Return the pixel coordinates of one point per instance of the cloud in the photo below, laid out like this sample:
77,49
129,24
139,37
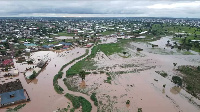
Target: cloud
195,4
131,8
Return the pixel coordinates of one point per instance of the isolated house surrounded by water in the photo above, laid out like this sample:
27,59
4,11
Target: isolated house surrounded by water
12,93
12,97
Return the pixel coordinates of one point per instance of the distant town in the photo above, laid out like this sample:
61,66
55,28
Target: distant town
99,64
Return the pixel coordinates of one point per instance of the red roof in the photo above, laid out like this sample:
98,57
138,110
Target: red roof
65,46
8,62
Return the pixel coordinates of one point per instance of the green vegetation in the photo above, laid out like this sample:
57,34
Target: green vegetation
57,88
187,53
74,100
191,79
191,33
139,109
101,72
108,78
162,73
16,108
69,86
128,102
86,105
78,67
109,49
108,32
177,80
78,101
82,74
72,110
94,98
33,76
65,34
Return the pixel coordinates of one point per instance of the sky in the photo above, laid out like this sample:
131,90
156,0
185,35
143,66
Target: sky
97,8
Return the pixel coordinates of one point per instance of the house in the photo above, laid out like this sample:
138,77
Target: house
12,93
15,72
7,62
41,63
12,97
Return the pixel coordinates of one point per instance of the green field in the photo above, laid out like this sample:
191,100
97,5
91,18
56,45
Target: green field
108,32
88,63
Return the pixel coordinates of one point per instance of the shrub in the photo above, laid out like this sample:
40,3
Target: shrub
128,102
74,100
94,98
33,75
86,105
58,89
139,109
101,72
177,80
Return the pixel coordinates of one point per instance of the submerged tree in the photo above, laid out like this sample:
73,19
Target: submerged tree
128,102
177,80
174,64
124,53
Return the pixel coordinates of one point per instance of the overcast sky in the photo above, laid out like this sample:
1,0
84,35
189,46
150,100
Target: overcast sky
129,8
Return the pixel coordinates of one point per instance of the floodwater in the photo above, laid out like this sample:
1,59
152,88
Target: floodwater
61,83
140,84
41,91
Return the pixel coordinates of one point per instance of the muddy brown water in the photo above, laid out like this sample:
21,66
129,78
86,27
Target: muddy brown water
139,87
42,94
61,83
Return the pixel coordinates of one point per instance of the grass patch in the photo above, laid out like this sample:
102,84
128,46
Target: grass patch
162,73
86,63
15,109
78,101
191,79
94,98
108,32
124,56
57,88
109,49
74,100
76,68
187,53
108,78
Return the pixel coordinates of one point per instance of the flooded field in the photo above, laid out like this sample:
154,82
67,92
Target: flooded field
41,91
133,78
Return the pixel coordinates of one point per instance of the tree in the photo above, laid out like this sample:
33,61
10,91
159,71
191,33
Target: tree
124,53
128,102
177,80
174,64
168,42
82,74
33,75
